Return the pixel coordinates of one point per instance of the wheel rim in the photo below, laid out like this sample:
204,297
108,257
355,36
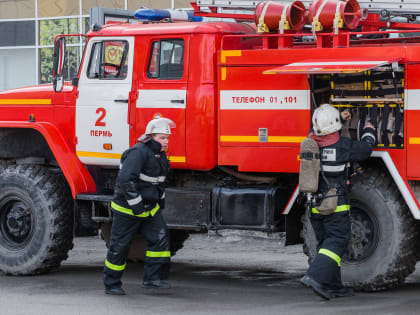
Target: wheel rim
364,234
16,221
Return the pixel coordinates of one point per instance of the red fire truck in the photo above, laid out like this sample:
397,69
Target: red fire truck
241,95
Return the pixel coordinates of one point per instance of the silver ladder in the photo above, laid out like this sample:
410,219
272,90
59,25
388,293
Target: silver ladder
373,6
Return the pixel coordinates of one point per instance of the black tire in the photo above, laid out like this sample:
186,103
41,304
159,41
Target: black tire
382,249
138,246
36,220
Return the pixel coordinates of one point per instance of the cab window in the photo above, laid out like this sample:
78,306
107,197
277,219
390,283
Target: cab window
108,60
166,61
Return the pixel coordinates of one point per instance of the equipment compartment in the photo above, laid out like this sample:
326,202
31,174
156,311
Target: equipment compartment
376,96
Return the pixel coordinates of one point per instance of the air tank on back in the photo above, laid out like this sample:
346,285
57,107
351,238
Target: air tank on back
273,16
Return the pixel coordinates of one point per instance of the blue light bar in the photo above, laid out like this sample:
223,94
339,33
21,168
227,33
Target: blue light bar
152,15
173,15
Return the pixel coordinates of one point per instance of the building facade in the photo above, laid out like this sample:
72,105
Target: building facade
28,28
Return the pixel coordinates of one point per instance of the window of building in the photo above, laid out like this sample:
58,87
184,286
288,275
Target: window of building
71,63
155,4
51,8
182,4
17,67
48,29
17,9
108,60
167,60
17,33
28,28
116,4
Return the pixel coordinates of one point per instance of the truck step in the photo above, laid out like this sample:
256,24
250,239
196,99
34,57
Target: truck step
94,197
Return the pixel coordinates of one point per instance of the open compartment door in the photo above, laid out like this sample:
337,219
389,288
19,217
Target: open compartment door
320,66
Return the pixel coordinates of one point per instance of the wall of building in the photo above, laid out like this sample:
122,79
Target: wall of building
28,27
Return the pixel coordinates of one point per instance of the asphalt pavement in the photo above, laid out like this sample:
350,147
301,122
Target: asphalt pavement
232,273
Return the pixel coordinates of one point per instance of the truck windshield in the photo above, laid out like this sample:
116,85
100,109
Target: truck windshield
108,60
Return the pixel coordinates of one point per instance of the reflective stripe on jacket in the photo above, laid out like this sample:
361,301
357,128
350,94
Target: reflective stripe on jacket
335,159
139,187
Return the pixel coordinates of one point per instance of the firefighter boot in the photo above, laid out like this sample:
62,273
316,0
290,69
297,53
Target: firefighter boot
156,284
317,287
115,291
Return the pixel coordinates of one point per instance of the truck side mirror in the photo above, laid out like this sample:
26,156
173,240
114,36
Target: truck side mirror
59,52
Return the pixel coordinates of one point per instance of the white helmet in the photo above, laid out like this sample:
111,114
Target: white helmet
326,120
160,125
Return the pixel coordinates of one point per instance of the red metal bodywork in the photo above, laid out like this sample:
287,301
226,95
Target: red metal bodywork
54,120
207,135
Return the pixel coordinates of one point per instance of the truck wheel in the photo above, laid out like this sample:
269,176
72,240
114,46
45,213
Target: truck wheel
36,221
382,249
137,251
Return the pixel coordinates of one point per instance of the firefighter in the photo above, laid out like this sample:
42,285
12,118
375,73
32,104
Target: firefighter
138,198
330,216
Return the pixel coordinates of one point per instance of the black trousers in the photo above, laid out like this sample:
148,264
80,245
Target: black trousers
333,233
155,232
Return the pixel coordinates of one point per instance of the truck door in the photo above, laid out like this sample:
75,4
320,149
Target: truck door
105,81
163,91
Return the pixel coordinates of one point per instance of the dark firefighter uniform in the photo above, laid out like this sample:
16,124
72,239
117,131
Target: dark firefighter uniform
139,195
333,231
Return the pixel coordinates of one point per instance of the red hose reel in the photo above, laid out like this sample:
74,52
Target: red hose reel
335,14
273,16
